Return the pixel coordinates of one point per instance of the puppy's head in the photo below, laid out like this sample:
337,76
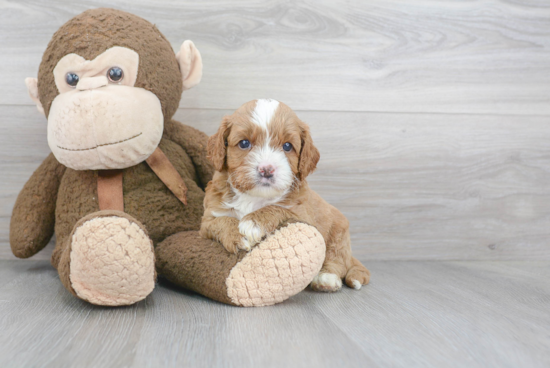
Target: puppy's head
264,147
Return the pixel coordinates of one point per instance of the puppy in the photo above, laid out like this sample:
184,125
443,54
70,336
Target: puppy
262,155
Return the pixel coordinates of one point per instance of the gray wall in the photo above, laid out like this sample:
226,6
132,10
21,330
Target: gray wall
432,118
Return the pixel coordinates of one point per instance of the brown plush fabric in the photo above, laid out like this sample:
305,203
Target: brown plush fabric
163,168
193,142
64,266
33,217
96,30
146,198
192,262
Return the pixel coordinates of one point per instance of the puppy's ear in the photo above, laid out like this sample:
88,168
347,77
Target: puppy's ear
309,154
216,148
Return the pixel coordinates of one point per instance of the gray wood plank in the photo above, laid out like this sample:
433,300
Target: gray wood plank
413,314
449,314
401,56
414,186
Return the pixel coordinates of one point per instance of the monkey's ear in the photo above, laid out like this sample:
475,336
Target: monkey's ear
32,87
190,62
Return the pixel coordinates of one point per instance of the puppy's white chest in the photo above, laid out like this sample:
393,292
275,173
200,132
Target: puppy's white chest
243,204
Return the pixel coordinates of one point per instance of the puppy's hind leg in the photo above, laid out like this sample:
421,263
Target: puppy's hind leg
337,262
357,275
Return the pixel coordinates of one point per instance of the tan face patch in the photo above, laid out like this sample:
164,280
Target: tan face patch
119,57
100,124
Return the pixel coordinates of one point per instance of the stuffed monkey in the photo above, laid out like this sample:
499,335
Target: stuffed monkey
125,181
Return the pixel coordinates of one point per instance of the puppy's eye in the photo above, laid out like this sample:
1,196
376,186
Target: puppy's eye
71,79
115,74
287,147
244,144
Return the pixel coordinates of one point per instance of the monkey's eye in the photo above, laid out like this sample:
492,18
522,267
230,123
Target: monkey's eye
115,74
71,79
244,144
287,147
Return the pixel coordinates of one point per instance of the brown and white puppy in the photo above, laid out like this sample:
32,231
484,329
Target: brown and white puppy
262,155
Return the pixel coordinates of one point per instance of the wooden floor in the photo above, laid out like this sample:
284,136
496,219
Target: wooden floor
433,122
414,314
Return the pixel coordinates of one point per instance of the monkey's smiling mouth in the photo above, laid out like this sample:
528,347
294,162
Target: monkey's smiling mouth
100,145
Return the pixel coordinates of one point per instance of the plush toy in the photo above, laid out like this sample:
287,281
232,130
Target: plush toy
125,181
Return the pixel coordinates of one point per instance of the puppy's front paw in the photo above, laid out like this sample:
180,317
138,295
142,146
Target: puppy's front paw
251,232
232,246
245,245
327,282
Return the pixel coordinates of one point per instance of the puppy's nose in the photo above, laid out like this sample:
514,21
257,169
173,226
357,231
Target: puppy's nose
266,171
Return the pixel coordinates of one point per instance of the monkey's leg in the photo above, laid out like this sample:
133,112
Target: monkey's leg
279,267
108,260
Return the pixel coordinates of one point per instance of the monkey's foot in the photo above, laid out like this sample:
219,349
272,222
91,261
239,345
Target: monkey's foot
112,260
277,268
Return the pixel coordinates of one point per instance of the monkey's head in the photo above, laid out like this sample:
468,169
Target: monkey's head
107,83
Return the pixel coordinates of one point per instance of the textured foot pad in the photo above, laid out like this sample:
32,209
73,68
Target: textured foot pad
112,262
278,268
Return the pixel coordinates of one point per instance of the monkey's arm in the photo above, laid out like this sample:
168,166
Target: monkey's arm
33,216
193,142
